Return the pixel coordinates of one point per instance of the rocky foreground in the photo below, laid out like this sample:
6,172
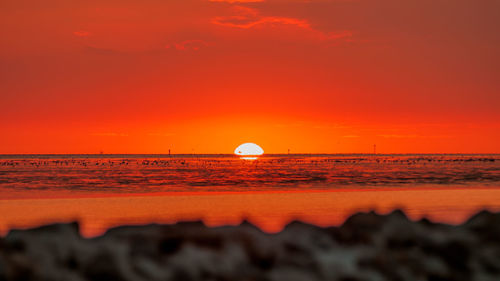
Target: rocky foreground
366,247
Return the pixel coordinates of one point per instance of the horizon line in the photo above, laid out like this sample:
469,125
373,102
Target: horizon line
265,154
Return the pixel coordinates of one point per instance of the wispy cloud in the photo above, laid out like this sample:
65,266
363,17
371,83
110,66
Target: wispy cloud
248,22
194,45
331,126
237,1
246,18
109,134
101,51
411,136
161,134
289,125
82,33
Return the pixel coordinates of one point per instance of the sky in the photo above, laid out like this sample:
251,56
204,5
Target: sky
200,76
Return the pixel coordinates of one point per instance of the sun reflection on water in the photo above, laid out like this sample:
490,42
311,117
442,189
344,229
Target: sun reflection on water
249,158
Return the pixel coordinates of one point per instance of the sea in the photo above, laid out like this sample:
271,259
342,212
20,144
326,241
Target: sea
149,173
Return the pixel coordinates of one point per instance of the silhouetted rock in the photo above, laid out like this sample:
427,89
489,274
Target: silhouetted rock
367,246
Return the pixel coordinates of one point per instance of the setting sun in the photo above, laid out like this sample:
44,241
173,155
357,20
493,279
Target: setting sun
249,149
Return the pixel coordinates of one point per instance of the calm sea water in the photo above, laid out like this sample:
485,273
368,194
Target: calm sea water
161,173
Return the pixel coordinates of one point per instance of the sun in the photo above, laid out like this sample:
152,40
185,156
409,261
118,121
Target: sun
249,149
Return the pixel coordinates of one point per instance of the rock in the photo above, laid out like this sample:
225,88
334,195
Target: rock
367,246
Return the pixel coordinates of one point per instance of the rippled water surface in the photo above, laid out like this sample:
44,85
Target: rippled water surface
150,173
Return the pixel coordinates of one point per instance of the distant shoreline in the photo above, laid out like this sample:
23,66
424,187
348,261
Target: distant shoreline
227,155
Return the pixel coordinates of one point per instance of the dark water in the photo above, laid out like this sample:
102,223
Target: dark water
151,173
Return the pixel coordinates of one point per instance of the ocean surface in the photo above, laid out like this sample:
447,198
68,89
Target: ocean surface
192,173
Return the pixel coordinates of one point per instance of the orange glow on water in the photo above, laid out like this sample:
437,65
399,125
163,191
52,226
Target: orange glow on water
268,210
249,158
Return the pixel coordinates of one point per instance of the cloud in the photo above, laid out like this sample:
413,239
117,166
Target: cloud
194,45
81,33
331,126
397,136
237,1
101,51
247,22
109,134
161,134
289,125
412,136
247,18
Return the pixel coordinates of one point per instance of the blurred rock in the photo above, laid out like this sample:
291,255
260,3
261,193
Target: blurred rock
367,246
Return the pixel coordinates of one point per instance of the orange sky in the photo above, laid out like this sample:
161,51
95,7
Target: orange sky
203,76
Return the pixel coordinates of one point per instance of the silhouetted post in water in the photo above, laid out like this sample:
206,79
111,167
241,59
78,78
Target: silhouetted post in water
374,149
169,152
289,151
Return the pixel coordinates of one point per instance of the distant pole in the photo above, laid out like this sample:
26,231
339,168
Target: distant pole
289,151
169,151
374,149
